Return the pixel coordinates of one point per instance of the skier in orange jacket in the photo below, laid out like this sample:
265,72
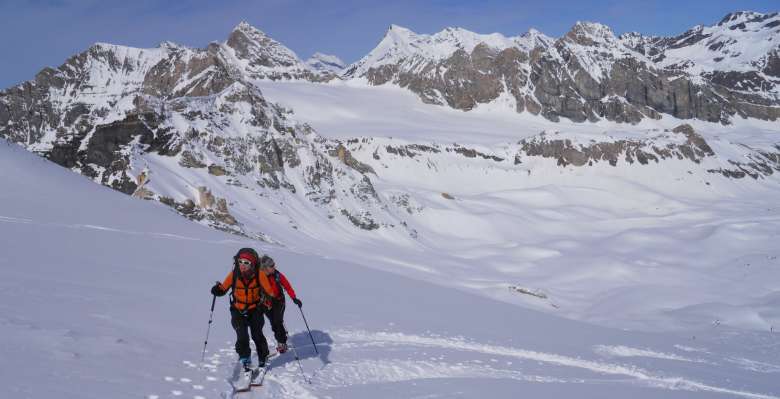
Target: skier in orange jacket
250,297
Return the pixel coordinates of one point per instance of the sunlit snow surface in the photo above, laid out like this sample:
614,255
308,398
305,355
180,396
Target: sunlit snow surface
653,247
102,295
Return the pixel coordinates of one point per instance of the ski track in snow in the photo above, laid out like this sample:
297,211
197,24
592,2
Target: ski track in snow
647,377
625,351
753,365
400,357
6,219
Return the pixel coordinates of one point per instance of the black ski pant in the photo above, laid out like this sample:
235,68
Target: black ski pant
276,317
251,320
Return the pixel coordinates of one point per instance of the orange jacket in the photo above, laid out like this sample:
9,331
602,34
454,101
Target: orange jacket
247,295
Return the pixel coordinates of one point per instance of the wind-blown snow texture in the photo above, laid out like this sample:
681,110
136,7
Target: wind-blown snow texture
107,296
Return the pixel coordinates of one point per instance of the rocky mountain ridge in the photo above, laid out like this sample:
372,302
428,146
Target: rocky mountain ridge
713,73
180,125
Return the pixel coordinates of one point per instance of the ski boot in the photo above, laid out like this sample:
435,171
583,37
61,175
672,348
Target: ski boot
281,347
246,362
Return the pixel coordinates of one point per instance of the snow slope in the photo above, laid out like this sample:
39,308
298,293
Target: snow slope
739,42
103,295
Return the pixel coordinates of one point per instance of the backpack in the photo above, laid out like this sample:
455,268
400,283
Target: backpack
278,280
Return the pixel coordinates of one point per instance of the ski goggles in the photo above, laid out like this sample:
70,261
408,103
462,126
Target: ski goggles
244,262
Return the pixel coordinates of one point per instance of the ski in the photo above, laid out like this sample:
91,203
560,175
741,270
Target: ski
265,368
262,378
251,375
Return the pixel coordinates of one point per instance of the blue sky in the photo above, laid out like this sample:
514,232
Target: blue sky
39,33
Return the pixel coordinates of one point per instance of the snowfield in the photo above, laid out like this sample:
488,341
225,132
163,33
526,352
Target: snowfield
663,246
107,296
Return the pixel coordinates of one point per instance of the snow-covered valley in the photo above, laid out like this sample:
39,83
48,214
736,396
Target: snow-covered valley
106,295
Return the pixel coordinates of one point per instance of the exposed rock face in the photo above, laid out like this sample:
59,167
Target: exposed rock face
693,148
681,144
217,170
590,74
343,154
760,163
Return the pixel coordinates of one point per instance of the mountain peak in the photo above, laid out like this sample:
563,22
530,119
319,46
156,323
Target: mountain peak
593,28
167,44
590,33
246,27
259,49
534,38
398,34
749,20
398,28
739,16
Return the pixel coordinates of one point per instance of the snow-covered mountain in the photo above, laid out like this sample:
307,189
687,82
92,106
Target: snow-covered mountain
326,63
182,125
258,56
402,46
713,73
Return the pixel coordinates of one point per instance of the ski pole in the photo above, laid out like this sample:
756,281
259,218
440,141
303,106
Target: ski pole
295,352
211,315
309,330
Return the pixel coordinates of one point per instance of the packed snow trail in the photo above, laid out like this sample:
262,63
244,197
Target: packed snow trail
359,358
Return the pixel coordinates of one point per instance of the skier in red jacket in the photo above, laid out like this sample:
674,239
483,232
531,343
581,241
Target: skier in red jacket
279,284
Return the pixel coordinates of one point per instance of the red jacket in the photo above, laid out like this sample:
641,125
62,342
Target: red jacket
275,290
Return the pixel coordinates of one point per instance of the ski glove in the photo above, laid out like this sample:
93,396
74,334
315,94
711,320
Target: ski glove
297,302
217,290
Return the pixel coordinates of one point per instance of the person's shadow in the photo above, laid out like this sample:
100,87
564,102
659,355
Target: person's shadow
300,344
